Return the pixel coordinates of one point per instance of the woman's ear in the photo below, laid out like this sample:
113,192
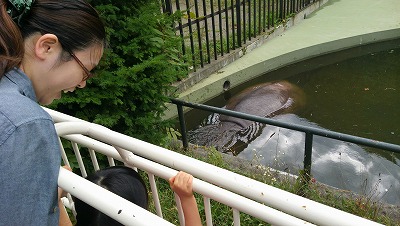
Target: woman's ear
47,45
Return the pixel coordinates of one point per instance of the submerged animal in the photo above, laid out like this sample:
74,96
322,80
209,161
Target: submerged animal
231,134
336,163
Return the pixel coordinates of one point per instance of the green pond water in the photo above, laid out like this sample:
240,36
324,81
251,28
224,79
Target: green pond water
354,91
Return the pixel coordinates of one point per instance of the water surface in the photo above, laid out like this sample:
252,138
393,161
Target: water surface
355,91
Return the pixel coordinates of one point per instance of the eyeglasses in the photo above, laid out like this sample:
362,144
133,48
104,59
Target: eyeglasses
87,72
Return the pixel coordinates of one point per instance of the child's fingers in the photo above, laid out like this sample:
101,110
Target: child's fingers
185,181
67,168
171,181
190,180
181,179
182,183
187,178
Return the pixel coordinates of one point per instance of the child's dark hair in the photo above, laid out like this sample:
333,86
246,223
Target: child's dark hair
120,180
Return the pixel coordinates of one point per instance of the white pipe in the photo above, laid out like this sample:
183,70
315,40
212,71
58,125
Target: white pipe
61,117
282,200
223,196
79,159
236,217
154,192
207,210
181,216
94,159
107,202
63,154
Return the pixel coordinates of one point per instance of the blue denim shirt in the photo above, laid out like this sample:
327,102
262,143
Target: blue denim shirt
29,156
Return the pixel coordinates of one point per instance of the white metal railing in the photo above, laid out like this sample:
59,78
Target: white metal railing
107,202
242,194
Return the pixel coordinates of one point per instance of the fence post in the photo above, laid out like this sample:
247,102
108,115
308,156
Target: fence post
183,126
281,16
238,23
307,156
168,6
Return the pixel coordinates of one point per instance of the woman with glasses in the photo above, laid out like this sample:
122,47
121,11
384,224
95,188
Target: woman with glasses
47,47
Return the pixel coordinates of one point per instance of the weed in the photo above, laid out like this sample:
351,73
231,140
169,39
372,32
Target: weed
304,185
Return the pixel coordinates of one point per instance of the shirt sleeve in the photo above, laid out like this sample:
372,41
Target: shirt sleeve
29,167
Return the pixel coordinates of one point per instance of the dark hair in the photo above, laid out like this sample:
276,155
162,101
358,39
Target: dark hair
11,42
75,22
120,180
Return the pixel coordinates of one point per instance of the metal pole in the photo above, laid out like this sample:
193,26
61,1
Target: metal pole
307,156
183,126
199,39
168,6
238,24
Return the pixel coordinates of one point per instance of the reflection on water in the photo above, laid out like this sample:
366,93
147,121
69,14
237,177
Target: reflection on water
339,164
360,96
355,92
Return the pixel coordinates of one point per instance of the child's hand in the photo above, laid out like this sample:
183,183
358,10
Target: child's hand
181,184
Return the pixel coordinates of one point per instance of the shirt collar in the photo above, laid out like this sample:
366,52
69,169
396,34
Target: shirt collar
18,77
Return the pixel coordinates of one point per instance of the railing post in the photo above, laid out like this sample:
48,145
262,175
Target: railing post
307,156
238,23
281,16
168,6
183,126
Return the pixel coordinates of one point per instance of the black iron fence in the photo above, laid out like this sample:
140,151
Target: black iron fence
211,28
309,131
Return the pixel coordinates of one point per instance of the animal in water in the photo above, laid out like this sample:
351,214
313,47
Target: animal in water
231,134
336,163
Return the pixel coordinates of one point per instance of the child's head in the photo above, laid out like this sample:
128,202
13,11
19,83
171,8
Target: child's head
120,180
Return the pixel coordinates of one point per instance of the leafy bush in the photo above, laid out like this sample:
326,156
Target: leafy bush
134,77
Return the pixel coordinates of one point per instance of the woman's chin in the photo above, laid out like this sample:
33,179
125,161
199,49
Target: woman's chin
49,100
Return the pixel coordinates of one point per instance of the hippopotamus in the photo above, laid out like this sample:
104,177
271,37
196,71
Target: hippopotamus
231,134
336,163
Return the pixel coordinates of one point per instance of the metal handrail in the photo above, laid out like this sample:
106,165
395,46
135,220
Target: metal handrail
106,201
296,210
234,189
309,131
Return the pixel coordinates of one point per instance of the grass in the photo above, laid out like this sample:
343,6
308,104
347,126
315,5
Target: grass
363,206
